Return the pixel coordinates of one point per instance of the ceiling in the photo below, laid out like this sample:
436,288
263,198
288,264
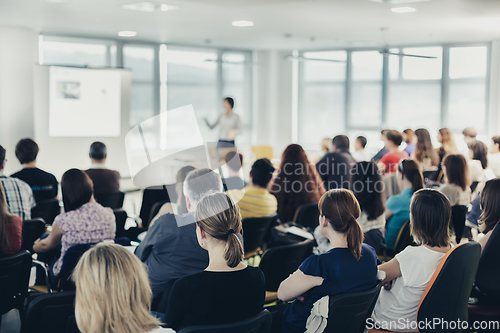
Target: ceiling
308,24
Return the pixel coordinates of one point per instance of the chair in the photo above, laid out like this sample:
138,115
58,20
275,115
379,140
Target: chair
255,230
458,216
261,323
348,312
70,260
110,199
51,313
263,152
32,230
152,195
307,216
403,240
121,220
47,210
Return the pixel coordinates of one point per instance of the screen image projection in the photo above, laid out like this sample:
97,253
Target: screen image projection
84,102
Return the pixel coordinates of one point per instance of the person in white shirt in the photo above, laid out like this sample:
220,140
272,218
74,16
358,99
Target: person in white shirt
230,125
494,155
360,154
408,274
457,186
469,134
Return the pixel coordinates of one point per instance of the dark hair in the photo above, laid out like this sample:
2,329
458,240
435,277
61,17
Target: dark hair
457,170
490,199
341,142
362,140
98,151
469,131
395,137
409,135
179,180
262,172
232,163
425,148
341,208
480,152
430,213
496,140
26,151
409,168
371,201
230,101
76,188
2,154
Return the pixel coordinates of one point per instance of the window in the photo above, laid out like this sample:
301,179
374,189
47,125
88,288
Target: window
415,68
85,53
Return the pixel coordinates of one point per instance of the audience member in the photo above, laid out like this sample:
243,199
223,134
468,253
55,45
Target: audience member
349,266
478,160
397,207
469,134
409,138
325,149
445,138
390,161
457,186
296,182
255,200
494,155
408,274
105,180
234,161
384,150
10,229
84,221
113,293
334,167
18,194
227,290
490,197
425,154
43,184
360,154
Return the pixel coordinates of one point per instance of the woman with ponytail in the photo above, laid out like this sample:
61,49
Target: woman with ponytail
349,266
397,207
227,290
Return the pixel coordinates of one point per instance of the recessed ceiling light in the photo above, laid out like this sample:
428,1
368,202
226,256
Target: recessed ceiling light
164,7
398,2
402,10
126,33
149,7
242,23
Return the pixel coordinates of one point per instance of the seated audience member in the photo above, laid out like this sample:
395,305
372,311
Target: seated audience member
325,148
478,161
234,161
457,186
227,290
494,155
255,200
113,293
390,161
408,274
382,151
409,138
43,184
18,194
445,138
425,154
105,180
349,265
360,153
470,135
397,207
170,249
296,183
84,221
474,214
490,197
10,229
334,167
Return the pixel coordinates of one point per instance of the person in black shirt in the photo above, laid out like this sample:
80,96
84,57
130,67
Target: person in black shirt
335,167
234,161
43,184
228,290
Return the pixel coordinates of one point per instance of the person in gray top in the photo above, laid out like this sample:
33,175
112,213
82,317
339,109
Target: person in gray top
230,124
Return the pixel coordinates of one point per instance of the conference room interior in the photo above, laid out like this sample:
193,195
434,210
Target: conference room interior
166,85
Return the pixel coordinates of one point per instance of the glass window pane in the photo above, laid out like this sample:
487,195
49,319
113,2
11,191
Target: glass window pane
394,65
140,60
74,54
467,106
141,102
233,67
191,66
423,68
366,108
367,65
467,62
325,70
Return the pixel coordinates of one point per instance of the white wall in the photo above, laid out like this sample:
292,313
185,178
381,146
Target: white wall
494,98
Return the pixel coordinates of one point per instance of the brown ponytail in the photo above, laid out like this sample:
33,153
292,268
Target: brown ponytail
219,216
409,168
341,208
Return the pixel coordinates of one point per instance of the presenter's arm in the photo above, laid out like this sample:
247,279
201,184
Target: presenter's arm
215,124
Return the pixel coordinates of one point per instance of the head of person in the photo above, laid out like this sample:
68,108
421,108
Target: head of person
77,189
367,186
409,171
2,158
408,135
197,183
218,223
26,151
179,181
445,137
425,147
325,145
490,197
360,143
469,134
262,172
340,143
339,211
228,103
430,214
495,145
6,220
479,151
112,292
394,139
457,170
234,161
383,134
98,152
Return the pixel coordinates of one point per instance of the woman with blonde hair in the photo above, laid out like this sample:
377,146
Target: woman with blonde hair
425,154
113,293
10,228
445,137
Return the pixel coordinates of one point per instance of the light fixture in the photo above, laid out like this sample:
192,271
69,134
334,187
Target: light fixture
242,24
149,7
403,10
127,33
398,2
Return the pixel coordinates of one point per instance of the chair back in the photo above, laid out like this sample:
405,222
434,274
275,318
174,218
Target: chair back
263,152
279,262
32,230
307,216
404,238
120,219
261,323
47,210
70,260
458,215
14,278
488,270
348,312
152,195
447,293
255,230
51,313
110,199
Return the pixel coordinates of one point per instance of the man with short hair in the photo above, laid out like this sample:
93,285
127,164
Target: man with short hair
390,161
18,194
104,179
43,184
234,161
335,167
360,154
494,155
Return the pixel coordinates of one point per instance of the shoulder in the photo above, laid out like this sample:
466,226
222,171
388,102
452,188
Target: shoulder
18,174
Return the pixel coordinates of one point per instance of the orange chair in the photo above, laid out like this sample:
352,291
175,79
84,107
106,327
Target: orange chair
263,152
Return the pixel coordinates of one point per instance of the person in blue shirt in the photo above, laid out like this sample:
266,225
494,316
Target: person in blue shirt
349,266
397,207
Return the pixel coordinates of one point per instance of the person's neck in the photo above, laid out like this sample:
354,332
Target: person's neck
251,184
228,112
394,149
360,149
216,261
407,184
97,161
29,165
442,249
233,173
337,240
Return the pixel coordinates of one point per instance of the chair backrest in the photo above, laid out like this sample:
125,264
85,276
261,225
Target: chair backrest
404,238
307,216
70,259
458,215
263,152
255,230
47,210
488,270
51,313
154,194
279,262
110,199
447,293
32,230
261,323
348,312
14,278
120,219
